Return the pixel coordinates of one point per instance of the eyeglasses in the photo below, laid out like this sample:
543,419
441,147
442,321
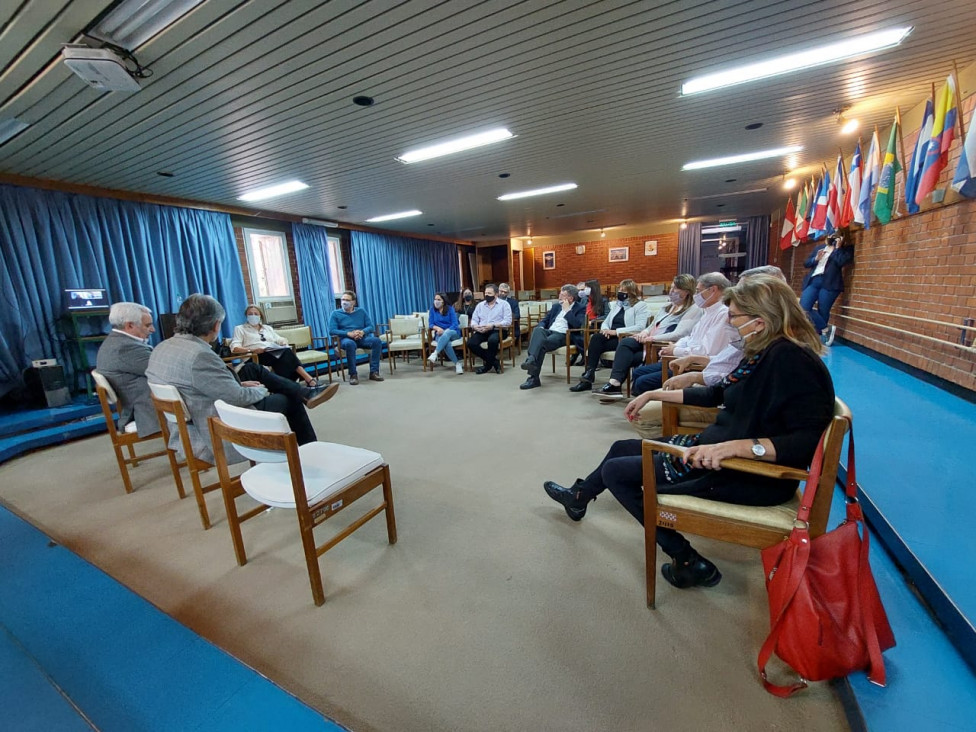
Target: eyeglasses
733,316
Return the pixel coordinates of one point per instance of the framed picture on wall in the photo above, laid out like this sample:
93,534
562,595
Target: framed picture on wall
548,260
619,254
650,248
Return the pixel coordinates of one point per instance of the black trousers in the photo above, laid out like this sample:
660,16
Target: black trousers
286,397
629,354
542,342
490,353
284,363
621,472
598,344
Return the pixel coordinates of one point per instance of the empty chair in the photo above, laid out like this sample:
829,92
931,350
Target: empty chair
318,480
173,414
406,334
301,339
126,437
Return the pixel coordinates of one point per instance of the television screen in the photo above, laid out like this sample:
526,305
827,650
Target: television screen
85,300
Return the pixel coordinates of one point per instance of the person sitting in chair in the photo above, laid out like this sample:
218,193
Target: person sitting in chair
777,403
567,314
489,319
354,329
272,350
122,359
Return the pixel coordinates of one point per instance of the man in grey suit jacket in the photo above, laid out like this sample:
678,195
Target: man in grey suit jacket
187,362
123,358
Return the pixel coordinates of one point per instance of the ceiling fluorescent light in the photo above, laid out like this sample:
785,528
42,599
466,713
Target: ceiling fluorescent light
133,22
719,230
537,192
10,127
320,222
394,216
744,158
453,146
819,56
272,191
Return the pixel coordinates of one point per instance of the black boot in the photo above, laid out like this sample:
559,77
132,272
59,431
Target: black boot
567,497
690,569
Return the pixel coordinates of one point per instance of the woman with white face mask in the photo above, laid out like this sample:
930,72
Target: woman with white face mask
254,336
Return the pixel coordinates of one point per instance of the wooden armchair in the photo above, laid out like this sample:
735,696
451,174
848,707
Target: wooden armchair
459,344
755,526
301,340
127,437
508,341
569,350
403,335
318,480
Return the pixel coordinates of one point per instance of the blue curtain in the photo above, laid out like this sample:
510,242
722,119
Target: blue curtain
154,255
396,275
312,255
689,249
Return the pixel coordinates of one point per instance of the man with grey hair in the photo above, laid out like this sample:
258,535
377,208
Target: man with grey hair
710,335
122,359
187,362
568,313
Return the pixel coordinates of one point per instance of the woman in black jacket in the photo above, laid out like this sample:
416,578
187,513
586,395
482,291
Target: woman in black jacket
777,403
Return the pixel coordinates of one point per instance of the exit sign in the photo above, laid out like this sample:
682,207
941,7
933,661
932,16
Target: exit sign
728,224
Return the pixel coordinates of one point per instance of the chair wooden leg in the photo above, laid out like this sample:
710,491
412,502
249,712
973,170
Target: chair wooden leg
133,458
198,492
175,467
306,527
650,525
123,468
391,530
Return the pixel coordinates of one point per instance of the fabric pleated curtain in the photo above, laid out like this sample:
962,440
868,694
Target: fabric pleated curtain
689,249
150,254
314,283
396,275
757,241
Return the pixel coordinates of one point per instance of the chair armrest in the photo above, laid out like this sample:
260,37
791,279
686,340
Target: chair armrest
742,465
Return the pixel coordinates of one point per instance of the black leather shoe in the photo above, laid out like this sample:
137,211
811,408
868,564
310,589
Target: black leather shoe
527,364
575,508
482,369
531,383
698,572
589,375
497,368
582,386
609,391
575,359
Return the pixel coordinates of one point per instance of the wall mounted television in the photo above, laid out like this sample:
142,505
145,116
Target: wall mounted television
85,299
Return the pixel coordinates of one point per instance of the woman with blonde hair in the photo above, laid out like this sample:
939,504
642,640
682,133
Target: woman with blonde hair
273,351
776,404
627,314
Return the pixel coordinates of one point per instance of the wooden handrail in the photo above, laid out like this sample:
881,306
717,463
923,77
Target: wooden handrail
913,334
911,317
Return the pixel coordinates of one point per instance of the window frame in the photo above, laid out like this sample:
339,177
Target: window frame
254,279
337,273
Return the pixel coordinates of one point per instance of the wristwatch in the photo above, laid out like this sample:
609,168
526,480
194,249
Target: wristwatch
757,449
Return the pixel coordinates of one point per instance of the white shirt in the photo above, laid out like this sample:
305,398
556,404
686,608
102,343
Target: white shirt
559,325
248,336
822,264
135,338
710,335
721,365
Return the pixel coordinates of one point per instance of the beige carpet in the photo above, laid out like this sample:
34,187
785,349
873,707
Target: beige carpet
493,612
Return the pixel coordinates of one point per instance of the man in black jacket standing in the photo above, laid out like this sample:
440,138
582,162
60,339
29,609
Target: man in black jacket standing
569,313
825,283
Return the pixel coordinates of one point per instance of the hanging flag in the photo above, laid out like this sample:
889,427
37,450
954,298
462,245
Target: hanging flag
789,224
801,214
819,221
914,172
964,182
834,196
869,181
853,189
943,131
885,199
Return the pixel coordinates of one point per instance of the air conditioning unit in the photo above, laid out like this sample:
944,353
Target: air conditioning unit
100,68
280,312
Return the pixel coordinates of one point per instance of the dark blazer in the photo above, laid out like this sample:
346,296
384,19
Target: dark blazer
123,360
575,317
833,276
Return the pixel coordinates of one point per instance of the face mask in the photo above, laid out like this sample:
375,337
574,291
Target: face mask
621,296
699,300
503,295
739,340
438,304
489,298
468,298
585,292
347,305
676,297
254,319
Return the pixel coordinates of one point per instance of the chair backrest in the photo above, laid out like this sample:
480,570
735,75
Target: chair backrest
405,326
168,397
833,447
422,316
254,421
101,381
299,336
107,398
463,320
526,295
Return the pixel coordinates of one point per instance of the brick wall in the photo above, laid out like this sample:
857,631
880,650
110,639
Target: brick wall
594,262
922,265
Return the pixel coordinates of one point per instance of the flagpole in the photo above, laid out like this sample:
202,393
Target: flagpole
901,144
962,126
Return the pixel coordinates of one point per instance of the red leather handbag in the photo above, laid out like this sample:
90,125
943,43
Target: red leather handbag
826,617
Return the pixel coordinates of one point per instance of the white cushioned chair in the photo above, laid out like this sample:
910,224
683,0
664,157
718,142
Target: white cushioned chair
318,480
301,339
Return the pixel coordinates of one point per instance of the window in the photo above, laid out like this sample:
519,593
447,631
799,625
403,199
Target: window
267,260
336,274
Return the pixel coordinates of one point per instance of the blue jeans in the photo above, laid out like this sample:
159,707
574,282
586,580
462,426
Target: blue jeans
443,343
646,378
371,342
813,293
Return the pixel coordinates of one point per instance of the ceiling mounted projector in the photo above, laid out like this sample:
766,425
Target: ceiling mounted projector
100,68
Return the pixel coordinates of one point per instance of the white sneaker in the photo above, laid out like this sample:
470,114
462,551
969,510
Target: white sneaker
829,333
459,368
432,357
